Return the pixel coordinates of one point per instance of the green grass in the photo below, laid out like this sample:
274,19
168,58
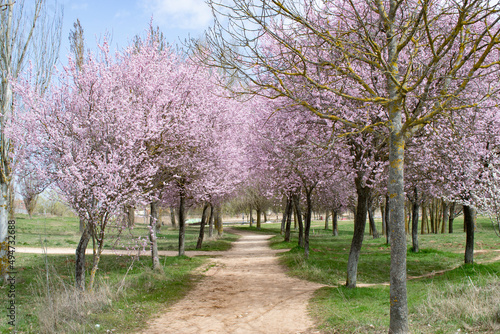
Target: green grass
144,292
64,232
51,231
366,310
127,292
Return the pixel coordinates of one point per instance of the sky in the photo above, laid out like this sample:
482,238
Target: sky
123,19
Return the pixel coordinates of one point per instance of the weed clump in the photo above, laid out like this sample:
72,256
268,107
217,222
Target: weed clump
476,306
61,308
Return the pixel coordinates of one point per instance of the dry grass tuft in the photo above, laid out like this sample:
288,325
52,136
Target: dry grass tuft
61,308
475,307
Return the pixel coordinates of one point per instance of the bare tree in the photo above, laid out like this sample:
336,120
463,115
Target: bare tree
28,32
77,44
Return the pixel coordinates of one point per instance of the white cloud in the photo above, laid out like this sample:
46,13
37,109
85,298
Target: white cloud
79,6
185,14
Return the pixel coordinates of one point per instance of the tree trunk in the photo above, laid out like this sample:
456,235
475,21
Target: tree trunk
82,225
371,219
298,215
308,221
288,218
439,210
382,212
80,258
406,218
432,215
182,221
326,220
251,217
414,223
295,220
99,239
446,215
219,225
398,292
153,220
4,188
359,231
387,220
30,204
130,216
283,220
451,217
202,226
211,222
159,222
424,218
259,214
335,225
264,213
469,225
172,217
95,264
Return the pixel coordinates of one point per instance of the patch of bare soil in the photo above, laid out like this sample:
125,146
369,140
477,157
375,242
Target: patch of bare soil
245,290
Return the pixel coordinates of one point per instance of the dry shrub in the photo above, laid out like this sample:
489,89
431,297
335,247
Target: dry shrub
61,308
470,305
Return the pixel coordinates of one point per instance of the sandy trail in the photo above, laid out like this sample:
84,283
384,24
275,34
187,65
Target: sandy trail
245,291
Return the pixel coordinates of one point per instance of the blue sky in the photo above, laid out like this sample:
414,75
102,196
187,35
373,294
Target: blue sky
123,19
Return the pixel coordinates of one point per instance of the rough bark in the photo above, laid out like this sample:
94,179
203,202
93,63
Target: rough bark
80,258
326,220
469,230
359,231
202,226
153,219
398,292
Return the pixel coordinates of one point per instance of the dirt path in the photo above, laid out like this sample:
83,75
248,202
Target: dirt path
245,291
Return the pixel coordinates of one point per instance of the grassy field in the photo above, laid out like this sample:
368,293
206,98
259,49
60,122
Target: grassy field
64,232
458,299
462,299
127,292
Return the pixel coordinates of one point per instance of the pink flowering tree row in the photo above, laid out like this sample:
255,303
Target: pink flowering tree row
121,130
